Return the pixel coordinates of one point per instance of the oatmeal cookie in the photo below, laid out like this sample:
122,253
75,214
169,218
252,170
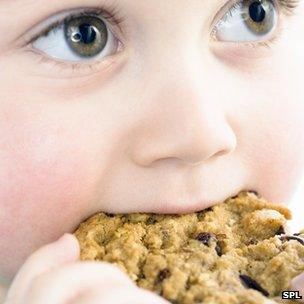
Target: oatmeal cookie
237,252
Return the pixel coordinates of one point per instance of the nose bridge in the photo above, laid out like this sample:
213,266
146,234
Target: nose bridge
174,51
176,71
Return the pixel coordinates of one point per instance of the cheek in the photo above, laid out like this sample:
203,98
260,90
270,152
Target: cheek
46,183
279,151
273,127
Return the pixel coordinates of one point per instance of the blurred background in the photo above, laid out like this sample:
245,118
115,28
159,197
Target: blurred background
297,208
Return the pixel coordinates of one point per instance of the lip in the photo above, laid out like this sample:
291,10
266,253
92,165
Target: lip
169,207
182,208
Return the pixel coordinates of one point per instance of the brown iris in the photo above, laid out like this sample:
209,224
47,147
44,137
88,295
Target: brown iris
258,16
86,35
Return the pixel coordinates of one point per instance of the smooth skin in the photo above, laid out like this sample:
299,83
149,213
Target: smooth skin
53,275
174,122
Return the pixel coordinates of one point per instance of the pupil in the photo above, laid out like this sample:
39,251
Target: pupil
257,12
87,32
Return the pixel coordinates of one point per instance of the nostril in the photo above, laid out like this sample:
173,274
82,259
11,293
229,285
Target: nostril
228,148
220,153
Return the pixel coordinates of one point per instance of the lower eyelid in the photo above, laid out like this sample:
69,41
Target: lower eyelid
66,69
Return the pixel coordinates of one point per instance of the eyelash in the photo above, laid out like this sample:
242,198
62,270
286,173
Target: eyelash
257,44
110,14
113,16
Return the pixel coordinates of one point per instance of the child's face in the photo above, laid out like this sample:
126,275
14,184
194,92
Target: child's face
173,122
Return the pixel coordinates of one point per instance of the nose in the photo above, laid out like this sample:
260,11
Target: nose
182,113
183,123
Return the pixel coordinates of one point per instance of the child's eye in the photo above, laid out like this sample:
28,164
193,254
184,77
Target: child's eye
247,20
78,37
74,39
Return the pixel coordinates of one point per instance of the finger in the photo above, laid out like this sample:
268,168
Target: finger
123,295
62,285
66,249
297,284
141,297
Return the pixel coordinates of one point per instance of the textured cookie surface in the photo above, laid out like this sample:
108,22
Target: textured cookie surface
236,252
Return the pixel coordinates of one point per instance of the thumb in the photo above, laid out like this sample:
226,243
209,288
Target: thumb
66,249
297,284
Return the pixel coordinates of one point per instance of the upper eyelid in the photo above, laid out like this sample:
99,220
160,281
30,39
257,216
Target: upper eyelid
229,5
56,20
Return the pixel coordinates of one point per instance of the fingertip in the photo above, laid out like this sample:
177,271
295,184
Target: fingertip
71,241
66,249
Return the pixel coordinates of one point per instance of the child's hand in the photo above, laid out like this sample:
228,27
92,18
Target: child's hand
298,284
52,275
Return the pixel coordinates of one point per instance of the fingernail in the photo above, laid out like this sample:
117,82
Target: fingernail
70,238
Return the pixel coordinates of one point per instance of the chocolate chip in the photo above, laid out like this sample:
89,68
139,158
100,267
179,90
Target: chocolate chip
252,242
218,249
292,237
188,285
250,283
208,209
110,214
164,273
281,230
204,237
141,276
233,197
